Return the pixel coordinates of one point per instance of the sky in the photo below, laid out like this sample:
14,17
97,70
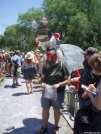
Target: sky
9,10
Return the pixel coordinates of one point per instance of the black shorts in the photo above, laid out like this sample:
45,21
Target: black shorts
28,77
15,71
28,74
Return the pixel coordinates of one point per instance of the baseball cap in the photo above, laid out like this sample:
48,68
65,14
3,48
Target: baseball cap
90,51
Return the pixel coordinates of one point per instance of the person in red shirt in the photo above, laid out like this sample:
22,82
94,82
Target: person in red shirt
0,73
75,73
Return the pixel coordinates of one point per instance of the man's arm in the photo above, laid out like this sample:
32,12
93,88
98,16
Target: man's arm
41,81
42,78
66,81
63,83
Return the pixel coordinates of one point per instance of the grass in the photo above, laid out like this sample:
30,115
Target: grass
36,81
2,79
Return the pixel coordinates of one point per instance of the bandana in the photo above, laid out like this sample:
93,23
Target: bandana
51,54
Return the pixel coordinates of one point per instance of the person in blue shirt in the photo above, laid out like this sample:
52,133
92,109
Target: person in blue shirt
16,63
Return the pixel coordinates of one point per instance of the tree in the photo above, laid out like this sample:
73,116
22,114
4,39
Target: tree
25,22
1,42
78,21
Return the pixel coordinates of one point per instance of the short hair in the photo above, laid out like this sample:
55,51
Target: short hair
17,51
52,50
95,62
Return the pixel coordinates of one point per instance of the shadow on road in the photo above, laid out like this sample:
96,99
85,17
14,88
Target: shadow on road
7,77
19,94
23,81
8,86
37,86
31,125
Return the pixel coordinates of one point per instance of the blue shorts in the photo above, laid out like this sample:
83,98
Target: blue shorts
58,104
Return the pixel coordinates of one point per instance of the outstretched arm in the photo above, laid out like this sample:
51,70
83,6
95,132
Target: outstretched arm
65,82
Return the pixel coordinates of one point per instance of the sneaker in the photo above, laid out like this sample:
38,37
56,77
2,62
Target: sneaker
14,86
17,84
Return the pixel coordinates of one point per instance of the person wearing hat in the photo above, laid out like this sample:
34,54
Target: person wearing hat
16,63
53,72
87,77
40,65
3,61
89,120
29,66
1,58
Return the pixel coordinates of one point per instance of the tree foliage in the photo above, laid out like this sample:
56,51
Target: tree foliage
78,21
21,36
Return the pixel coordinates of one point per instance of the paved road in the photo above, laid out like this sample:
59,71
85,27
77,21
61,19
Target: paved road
21,113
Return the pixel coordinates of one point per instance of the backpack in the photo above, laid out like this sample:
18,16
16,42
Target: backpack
84,122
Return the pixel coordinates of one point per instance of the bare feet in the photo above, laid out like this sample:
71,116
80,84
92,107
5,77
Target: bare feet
31,92
28,93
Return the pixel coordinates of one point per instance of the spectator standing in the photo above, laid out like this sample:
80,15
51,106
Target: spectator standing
75,73
9,64
28,66
16,63
87,77
1,58
92,121
0,72
52,74
41,64
3,61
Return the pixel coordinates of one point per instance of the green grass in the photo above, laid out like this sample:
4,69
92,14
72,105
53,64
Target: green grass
2,79
36,81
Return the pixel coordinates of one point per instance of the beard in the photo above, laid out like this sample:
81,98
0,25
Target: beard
48,64
85,63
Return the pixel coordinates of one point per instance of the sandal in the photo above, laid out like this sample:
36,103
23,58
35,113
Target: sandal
56,130
42,130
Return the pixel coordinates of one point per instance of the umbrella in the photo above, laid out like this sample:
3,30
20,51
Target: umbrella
71,56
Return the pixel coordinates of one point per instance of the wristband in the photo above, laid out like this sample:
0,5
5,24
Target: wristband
59,84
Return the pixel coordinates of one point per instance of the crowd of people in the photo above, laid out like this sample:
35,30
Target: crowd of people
54,73
11,62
